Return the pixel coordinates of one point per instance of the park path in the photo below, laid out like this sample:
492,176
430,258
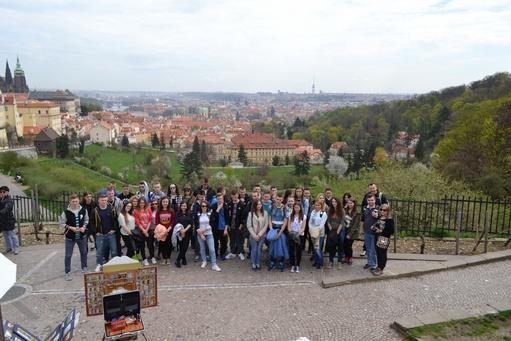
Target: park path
198,304
14,188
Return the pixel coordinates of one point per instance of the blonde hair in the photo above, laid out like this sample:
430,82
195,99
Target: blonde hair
389,210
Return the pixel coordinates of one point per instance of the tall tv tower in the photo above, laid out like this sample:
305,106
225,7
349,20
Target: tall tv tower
313,85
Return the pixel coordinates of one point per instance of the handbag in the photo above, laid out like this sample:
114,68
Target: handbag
314,232
383,242
272,235
294,236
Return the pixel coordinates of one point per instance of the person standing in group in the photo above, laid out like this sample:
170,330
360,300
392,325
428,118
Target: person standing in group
200,197
165,216
220,225
380,199
237,217
89,204
351,226
8,221
383,230
74,221
278,241
328,196
116,203
127,226
369,218
317,221
296,227
308,203
174,196
188,196
205,236
257,225
105,225
157,193
345,199
336,233
143,190
267,203
143,221
184,218
125,193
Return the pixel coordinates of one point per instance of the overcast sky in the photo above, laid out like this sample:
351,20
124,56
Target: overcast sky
261,45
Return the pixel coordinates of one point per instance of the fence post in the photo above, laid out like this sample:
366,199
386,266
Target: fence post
395,233
458,232
18,200
486,228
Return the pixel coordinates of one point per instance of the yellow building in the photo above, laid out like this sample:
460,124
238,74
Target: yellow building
260,148
3,123
13,118
41,114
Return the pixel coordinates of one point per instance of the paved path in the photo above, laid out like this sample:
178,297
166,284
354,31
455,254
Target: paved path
196,304
14,188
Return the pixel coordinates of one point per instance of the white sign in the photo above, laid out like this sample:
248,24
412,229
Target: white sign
8,271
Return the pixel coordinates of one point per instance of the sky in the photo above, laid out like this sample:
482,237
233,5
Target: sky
362,46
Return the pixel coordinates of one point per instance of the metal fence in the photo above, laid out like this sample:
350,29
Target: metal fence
426,217
437,218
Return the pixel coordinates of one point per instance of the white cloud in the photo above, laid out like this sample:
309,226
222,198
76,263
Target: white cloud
257,45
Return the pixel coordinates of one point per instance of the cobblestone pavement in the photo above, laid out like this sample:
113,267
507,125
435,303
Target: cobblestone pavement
236,304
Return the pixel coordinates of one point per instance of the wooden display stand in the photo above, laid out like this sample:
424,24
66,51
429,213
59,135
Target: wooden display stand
119,292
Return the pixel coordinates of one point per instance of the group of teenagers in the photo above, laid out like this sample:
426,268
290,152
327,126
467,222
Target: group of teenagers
215,221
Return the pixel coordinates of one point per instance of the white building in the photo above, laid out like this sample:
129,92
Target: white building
103,132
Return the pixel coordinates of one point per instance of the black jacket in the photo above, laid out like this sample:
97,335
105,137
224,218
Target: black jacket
7,220
215,217
241,214
95,220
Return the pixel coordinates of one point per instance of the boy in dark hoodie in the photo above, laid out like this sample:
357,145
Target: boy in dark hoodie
74,220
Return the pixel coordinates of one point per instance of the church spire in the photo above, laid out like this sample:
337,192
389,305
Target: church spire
8,75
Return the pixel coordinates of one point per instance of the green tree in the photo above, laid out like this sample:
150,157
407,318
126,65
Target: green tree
162,141
204,153
125,143
191,166
275,161
155,141
242,155
196,146
302,163
62,146
81,148
286,160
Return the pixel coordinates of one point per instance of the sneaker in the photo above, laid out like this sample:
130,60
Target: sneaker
145,262
293,268
373,270
330,265
8,250
222,257
242,257
183,261
16,251
230,256
281,267
216,268
254,267
196,258
339,266
84,270
203,265
177,263
271,266
377,272
363,253
67,276
153,261
366,266
98,268
343,260
350,261
297,269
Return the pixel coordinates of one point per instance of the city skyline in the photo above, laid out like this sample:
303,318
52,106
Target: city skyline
240,46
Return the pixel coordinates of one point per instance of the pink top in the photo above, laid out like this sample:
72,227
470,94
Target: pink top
143,218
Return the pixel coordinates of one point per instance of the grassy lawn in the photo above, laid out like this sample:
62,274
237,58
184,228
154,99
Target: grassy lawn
54,176
489,327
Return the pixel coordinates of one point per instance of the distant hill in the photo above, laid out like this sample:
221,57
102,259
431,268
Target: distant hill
466,129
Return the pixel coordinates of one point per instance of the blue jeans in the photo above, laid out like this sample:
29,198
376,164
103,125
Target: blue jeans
256,247
82,247
106,244
369,239
210,243
340,245
318,252
11,240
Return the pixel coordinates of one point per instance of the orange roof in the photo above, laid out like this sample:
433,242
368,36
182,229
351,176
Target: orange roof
259,141
37,104
31,130
339,145
299,143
